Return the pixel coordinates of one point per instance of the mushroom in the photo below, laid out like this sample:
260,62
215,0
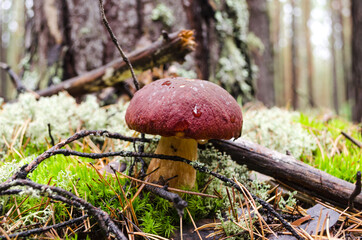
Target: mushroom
184,112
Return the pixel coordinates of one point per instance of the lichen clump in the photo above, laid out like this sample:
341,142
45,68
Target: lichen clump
277,129
29,117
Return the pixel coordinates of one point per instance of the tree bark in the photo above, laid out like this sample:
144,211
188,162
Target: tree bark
290,171
309,53
259,25
356,8
294,56
199,15
333,58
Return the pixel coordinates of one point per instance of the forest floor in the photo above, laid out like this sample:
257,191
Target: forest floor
233,207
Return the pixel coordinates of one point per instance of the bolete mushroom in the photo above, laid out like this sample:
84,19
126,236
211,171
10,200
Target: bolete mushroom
183,111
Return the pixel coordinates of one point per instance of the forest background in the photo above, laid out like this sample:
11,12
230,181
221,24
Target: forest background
288,53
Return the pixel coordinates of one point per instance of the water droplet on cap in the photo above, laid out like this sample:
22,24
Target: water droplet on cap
196,111
232,119
167,83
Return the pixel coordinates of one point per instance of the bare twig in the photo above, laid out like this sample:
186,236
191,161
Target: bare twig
50,135
177,201
26,169
47,228
353,140
20,88
356,191
160,186
115,41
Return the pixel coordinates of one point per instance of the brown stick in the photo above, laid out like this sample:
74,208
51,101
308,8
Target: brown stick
353,140
290,171
174,48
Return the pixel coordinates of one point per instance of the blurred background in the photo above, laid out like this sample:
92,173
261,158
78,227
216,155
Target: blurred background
289,53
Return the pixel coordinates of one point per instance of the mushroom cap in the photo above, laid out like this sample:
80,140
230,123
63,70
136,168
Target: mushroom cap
188,108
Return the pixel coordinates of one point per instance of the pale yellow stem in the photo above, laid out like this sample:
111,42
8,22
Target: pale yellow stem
174,146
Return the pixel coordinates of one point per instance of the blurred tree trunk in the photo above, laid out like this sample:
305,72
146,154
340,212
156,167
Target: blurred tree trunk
346,55
200,14
3,75
356,7
275,7
309,53
259,25
294,54
332,44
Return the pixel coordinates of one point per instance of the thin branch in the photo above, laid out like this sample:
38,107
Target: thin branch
45,229
26,169
115,41
353,140
177,201
50,135
20,88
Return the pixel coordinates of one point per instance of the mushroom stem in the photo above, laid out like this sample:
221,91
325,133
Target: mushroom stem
174,146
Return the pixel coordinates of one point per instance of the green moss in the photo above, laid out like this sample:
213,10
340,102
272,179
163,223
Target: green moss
335,155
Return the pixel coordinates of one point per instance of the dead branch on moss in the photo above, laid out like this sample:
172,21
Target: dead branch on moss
290,171
175,48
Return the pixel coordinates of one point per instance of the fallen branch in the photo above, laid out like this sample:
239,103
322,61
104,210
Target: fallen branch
174,48
290,171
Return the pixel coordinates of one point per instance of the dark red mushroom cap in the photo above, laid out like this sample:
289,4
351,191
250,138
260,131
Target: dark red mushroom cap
188,108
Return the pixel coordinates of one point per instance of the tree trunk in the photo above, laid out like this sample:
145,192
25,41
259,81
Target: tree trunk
356,7
309,53
294,56
3,75
259,25
332,43
346,53
199,14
